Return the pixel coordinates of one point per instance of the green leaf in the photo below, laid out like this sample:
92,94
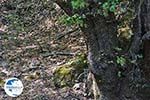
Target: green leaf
78,4
112,8
119,74
105,5
121,60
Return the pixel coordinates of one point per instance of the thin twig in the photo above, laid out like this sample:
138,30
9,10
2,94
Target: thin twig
57,53
67,33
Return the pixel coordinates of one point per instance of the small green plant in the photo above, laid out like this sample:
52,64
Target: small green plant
121,60
78,4
119,74
118,49
110,6
72,20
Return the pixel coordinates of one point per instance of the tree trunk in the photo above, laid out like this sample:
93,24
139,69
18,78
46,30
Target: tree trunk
101,36
101,39
144,92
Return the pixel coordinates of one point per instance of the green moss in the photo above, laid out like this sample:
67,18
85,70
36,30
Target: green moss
65,75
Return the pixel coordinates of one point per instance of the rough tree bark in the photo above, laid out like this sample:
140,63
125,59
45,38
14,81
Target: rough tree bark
101,38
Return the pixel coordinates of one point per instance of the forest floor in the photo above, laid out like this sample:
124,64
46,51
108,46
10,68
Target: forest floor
24,54
25,61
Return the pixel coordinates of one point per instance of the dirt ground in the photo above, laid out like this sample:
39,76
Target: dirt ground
23,62
33,55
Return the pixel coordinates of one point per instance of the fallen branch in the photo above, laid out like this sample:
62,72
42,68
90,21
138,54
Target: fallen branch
57,53
67,33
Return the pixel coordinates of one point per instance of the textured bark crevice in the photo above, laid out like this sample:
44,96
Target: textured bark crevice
145,67
101,38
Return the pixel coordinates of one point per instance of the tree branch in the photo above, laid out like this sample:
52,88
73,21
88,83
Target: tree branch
65,5
57,53
67,33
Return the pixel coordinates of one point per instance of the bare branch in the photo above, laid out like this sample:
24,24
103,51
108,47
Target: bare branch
57,53
65,5
67,33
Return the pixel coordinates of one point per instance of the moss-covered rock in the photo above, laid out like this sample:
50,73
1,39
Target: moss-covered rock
65,75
